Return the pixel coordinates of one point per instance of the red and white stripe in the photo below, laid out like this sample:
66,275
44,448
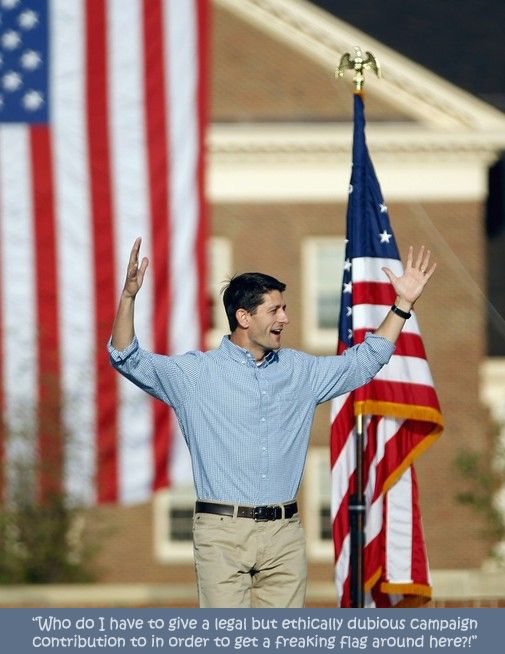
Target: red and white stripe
402,416
121,157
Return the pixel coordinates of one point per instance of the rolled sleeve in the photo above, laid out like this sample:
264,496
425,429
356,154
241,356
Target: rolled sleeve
119,356
170,379
382,349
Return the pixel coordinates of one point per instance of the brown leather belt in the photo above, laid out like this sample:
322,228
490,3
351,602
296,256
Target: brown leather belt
258,513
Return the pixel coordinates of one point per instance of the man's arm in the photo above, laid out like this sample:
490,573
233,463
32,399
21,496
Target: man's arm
408,289
123,330
335,375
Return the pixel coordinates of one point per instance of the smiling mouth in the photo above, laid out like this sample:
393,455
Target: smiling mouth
277,332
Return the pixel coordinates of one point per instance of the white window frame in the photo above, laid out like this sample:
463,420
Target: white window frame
314,498
492,394
219,271
315,338
165,549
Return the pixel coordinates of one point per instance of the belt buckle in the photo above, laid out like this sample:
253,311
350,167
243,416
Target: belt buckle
264,513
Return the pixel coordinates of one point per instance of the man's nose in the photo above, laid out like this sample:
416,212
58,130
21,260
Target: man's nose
283,317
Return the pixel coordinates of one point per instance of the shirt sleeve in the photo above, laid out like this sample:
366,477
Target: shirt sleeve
334,375
170,379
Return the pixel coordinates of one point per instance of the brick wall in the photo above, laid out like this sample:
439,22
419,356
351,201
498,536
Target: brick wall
258,78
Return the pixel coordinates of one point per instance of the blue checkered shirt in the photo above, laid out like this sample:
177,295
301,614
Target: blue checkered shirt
248,426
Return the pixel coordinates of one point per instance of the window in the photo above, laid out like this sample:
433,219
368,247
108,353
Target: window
322,260
317,505
220,270
180,523
492,393
173,524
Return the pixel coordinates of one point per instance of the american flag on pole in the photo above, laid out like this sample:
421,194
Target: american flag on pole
102,112
400,408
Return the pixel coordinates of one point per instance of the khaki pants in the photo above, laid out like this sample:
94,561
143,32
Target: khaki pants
241,563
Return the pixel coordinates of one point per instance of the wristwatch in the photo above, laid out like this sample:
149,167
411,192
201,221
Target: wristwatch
403,314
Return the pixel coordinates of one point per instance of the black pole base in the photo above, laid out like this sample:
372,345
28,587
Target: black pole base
357,515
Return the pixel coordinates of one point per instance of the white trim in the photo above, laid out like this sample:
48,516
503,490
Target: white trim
492,394
316,339
492,389
166,550
315,139
318,550
296,162
220,270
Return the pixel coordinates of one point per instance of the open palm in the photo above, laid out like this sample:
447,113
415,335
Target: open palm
135,273
415,276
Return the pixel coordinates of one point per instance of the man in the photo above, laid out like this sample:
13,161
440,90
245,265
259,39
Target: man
246,410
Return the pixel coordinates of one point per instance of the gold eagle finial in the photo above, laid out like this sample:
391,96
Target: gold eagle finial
359,64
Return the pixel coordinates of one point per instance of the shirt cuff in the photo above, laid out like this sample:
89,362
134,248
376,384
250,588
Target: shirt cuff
381,346
119,356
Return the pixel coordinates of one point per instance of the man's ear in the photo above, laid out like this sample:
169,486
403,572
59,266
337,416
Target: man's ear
242,317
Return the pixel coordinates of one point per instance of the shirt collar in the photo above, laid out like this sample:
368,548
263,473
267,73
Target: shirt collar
243,356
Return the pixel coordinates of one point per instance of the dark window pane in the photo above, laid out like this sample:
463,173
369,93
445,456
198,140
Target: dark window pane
328,311
181,524
325,530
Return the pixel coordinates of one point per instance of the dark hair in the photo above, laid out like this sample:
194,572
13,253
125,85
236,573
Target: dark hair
246,292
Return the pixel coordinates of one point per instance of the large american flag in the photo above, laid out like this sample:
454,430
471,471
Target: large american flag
400,407
103,110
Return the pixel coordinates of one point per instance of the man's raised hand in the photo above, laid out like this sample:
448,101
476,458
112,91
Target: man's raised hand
134,273
415,276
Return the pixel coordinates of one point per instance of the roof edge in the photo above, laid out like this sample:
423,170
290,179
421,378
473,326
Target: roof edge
321,36
291,138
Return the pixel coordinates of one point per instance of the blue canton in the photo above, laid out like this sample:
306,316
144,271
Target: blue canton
247,426
24,61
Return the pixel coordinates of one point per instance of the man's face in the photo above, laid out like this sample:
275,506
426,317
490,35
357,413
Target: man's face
265,325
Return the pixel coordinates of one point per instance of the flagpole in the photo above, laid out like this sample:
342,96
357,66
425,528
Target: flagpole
357,521
357,506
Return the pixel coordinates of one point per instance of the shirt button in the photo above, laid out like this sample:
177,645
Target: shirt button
263,419
263,476
263,392
264,449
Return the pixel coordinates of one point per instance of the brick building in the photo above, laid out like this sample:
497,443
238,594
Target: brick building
278,170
